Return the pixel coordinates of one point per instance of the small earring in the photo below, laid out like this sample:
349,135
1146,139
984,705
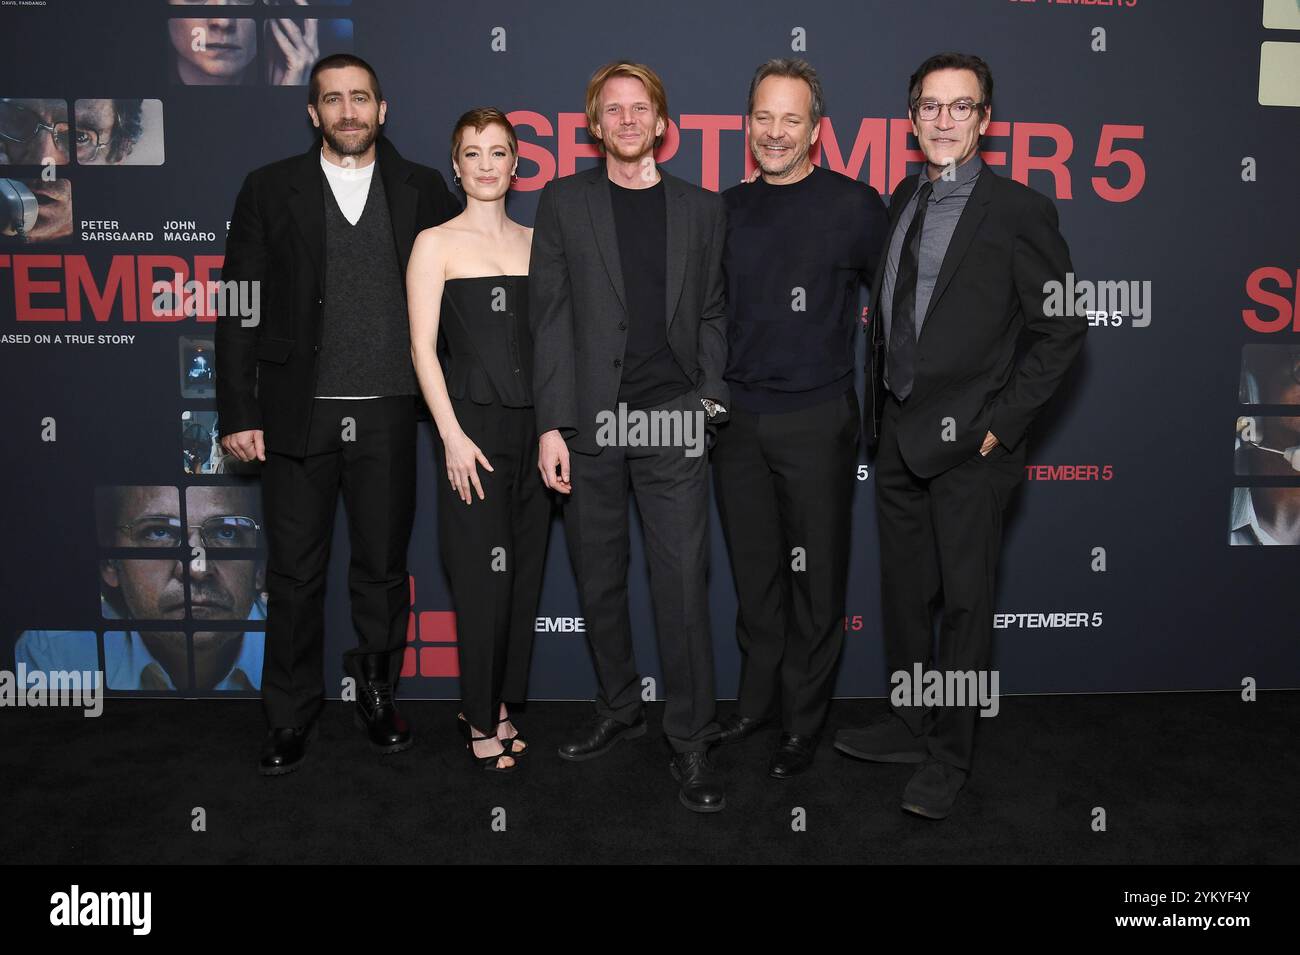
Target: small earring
514,177
456,180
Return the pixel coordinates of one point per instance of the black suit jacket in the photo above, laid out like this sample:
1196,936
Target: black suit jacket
972,365
578,303
266,373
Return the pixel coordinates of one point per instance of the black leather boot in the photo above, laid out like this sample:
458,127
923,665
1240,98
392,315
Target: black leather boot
284,749
376,713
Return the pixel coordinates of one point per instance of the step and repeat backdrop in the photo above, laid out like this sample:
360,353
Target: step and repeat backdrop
1153,546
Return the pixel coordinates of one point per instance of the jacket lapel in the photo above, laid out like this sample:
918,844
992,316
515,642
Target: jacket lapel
967,226
675,214
307,207
403,198
601,208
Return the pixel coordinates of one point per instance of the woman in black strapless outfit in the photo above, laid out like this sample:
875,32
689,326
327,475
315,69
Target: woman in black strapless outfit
467,289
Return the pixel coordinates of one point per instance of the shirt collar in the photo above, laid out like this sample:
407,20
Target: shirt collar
1243,516
345,173
963,175
244,674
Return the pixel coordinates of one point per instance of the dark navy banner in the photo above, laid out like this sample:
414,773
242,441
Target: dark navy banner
1152,546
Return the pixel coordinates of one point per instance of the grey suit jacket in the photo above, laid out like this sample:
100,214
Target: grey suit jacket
578,306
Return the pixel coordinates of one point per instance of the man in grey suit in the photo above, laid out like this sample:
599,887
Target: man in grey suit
629,322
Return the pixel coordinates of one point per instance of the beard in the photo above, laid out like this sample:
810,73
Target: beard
795,157
629,151
353,147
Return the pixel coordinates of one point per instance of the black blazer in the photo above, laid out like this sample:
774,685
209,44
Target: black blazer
266,374
969,364
578,303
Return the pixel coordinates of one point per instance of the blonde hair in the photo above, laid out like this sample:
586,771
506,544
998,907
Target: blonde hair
637,71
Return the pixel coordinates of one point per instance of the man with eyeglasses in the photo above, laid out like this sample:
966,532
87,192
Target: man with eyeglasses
969,256
107,130
34,132
225,584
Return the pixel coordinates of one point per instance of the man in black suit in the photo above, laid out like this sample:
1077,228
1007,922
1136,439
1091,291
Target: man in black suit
954,392
320,387
629,317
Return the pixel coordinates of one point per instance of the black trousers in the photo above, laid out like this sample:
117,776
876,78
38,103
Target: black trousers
940,539
785,481
372,457
672,496
493,551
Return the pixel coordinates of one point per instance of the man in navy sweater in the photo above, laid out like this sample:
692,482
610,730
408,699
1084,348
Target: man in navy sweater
800,239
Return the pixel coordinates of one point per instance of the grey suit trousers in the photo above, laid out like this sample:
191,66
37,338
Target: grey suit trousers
671,491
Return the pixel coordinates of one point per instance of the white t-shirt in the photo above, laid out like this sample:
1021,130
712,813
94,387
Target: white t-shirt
349,185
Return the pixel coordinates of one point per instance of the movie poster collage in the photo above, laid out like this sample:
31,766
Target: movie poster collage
181,566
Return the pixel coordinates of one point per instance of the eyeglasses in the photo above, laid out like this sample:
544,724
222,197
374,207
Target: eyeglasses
20,125
89,143
960,111
215,532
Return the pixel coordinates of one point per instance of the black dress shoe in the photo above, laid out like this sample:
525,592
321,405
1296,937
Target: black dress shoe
283,749
376,713
933,789
599,738
701,785
883,740
792,756
736,727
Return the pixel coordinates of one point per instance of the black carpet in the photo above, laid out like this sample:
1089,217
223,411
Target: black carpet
1184,778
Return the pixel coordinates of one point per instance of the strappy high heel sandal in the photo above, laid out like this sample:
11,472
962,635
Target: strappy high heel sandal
517,746
490,764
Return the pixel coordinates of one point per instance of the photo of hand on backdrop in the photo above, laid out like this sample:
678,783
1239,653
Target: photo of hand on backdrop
248,51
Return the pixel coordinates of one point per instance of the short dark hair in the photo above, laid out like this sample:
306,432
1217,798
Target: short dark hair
337,61
794,69
952,61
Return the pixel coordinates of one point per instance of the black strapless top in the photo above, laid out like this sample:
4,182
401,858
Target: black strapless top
485,344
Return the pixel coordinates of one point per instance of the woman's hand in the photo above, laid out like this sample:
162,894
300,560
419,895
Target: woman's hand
462,456
299,48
